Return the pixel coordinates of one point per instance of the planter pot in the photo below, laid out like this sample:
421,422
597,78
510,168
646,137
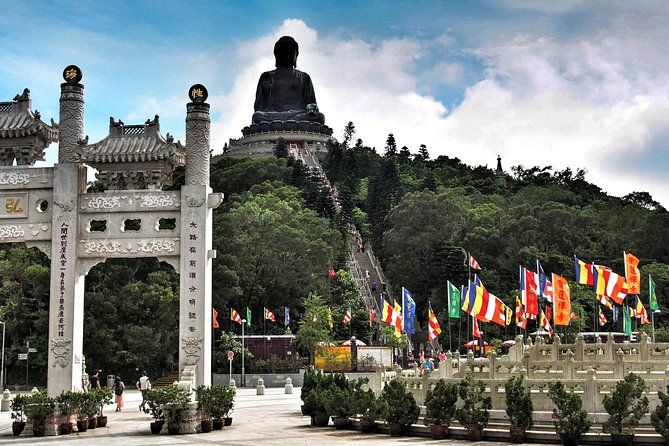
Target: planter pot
227,421
65,428
622,439
206,425
92,422
17,427
395,429
438,431
321,419
157,426
341,422
82,425
570,439
102,421
517,434
217,424
367,427
475,432
38,430
172,428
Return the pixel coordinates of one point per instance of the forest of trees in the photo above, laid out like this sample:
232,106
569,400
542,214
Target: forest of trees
278,232
422,215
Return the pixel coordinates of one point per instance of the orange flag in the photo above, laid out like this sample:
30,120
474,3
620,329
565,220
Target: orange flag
214,315
632,274
561,301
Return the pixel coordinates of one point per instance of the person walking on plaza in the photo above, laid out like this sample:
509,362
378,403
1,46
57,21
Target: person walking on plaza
143,385
95,380
119,387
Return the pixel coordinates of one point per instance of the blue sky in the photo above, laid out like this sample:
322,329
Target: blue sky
569,83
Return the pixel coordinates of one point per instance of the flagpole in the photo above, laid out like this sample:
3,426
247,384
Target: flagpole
596,317
469,279
462,292
652,311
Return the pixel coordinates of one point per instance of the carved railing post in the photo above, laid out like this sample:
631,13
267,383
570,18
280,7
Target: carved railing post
619,364
591,396
644,347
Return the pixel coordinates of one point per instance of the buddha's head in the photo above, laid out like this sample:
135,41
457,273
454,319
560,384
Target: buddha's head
285,52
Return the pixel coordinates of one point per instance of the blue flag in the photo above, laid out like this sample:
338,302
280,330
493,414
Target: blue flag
286,316
616,314
543,278
409,309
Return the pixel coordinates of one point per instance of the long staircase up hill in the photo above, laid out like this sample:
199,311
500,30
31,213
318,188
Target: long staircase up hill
362,263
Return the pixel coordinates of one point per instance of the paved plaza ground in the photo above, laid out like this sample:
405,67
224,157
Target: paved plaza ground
271,419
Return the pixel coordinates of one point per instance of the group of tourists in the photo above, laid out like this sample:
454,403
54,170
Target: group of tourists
143,384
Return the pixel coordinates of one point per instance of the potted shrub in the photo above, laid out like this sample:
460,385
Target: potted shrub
206,407
473,414
18,407
440,408
571,420
626,405
91,408
80,401
518,407
175,408
227,403
660,416
40,408
338,402
314,406
399,408
104,396
310,381
67,405
368,407
155,398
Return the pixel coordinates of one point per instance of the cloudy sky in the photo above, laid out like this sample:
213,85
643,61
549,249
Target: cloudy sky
568,84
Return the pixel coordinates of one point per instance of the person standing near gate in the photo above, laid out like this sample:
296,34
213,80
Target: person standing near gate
143,385
119,387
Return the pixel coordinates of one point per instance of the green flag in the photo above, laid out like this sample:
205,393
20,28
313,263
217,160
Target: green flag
653,297
627,321
453,301
248,316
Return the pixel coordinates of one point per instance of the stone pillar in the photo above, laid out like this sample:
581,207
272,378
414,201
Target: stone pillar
71,115
66,302
195,318
590,393
619,365
644,348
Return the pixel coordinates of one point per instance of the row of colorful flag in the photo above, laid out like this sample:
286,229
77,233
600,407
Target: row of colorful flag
268,315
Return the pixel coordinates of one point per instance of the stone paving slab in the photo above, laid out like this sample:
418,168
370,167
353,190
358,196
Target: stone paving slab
271,419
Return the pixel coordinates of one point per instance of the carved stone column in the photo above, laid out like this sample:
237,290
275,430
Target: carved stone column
71,115
195,324
66,301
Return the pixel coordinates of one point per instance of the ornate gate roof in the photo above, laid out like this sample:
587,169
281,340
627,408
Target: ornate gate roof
23,134
153,156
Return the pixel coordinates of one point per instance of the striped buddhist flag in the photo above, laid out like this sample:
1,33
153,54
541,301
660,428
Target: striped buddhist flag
473,264
235,317
269,315
434,329
347,317
583,272
602,318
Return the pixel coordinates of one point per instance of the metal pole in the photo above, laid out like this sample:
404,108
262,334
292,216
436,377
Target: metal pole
243,377
27,356
2,365
230,375
652,322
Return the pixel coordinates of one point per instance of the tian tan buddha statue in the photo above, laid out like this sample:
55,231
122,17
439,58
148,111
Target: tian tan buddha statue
286,93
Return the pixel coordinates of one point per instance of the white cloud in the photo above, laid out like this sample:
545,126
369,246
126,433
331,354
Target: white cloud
584,101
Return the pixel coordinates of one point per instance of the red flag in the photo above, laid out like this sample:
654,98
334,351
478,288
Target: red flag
473,264
214,314
477,332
